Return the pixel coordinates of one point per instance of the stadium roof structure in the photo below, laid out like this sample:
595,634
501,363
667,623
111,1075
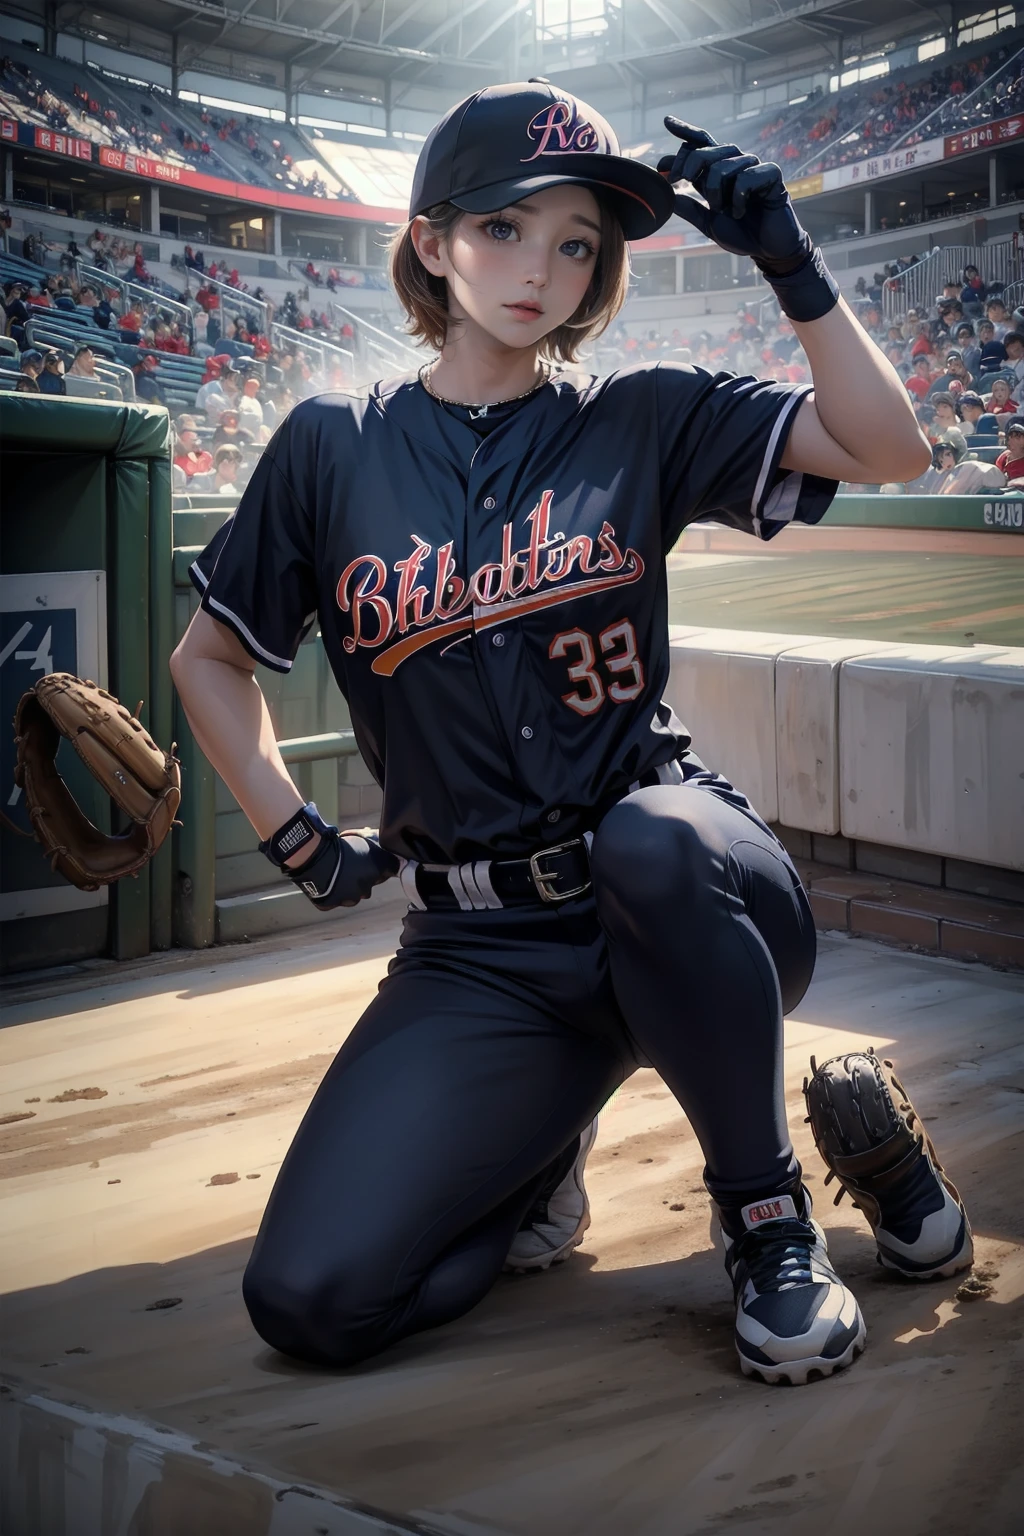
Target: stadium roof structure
380,47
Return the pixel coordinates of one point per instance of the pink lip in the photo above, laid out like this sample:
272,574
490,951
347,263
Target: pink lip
525,309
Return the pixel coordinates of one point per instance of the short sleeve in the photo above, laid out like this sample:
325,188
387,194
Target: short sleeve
720,439
257,573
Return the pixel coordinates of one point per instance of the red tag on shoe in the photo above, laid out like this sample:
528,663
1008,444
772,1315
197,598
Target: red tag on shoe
778,1208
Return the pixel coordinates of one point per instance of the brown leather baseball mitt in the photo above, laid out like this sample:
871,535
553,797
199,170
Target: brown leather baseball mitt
871,1139
119,752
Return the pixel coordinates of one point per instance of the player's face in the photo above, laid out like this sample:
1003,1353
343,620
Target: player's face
516,275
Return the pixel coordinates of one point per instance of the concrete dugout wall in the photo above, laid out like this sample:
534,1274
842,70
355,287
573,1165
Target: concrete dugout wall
918,747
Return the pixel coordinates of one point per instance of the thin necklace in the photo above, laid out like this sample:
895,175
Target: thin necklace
476,411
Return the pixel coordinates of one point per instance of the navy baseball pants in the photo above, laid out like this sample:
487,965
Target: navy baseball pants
496,1037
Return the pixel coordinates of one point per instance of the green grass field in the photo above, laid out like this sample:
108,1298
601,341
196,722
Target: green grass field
930,599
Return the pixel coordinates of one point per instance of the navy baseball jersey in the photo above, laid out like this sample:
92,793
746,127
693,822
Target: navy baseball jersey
495,609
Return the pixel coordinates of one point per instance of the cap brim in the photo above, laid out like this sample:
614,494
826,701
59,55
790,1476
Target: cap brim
641,199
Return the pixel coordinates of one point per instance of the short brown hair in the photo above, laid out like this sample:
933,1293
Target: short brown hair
424,297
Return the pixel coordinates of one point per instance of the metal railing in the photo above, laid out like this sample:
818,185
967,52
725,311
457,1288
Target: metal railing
316,348
917,287
128,292
1013,294
232,300
374,347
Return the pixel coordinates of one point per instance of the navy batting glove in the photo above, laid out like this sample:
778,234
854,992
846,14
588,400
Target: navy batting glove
748,212
344,869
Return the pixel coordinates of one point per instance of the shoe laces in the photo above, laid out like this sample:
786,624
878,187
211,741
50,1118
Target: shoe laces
777,1256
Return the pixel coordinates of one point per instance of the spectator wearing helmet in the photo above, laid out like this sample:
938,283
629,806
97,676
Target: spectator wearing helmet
1011,462
955,373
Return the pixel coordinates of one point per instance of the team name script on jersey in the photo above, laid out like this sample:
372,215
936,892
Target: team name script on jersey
426,612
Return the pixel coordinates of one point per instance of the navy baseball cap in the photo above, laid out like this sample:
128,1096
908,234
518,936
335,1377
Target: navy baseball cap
507,141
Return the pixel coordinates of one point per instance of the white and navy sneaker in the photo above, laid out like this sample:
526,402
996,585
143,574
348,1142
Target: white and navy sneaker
795,1318
560,1215
920,1223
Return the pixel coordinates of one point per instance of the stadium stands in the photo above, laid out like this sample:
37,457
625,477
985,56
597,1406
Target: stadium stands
89,103
924,101
166,334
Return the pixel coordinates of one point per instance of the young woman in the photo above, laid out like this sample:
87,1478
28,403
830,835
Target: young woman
484,544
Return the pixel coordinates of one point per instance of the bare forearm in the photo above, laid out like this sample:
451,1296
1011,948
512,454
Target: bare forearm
230,720
861,402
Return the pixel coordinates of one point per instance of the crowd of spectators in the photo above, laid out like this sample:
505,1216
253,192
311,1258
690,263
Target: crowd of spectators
248,134
961,358
882,114
962,361
84,116
148,123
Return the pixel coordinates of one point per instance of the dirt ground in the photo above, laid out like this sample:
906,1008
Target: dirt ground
600,1399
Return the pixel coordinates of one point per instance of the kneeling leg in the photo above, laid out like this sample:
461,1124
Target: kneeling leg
408,1177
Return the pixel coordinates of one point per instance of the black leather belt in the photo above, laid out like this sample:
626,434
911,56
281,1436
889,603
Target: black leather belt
550,876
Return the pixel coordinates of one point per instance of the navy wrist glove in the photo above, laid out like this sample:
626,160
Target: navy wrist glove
342,870
749,212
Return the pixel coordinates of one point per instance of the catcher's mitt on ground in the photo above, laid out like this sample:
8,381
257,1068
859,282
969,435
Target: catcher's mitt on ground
872,1141
119,752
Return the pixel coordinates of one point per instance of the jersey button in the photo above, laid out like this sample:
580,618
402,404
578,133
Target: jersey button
553,816
497,639
527,733
489,503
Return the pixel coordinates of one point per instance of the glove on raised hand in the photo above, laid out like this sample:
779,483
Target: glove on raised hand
749,212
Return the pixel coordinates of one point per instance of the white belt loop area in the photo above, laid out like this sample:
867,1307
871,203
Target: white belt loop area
471,886
407,876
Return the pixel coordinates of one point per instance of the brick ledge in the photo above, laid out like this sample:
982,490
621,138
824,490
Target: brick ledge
933,920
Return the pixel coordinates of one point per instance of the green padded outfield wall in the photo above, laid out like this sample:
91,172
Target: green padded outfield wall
85,487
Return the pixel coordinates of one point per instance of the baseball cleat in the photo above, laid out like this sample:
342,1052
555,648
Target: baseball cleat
555,1223
795,1319
918,1219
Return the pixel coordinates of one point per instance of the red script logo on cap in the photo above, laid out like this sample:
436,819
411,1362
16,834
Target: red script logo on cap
560,130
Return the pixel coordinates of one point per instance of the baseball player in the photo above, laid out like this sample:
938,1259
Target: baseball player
483,546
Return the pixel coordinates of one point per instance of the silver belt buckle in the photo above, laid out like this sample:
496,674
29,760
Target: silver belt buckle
542,878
